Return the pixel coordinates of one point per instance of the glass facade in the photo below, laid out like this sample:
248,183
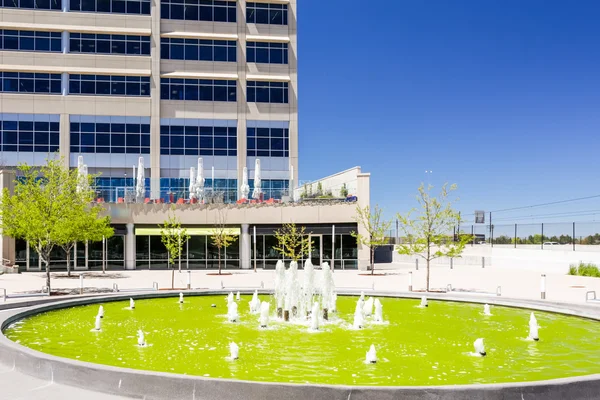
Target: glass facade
30,133
108,44
266,139
111,6
267,52
267,13
30,41
34,4
198,89
194,137
117,135
267,92
26,82
271,188
198,49
109,85
199,10
172,189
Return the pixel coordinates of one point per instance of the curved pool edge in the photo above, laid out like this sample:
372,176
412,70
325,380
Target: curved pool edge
158,385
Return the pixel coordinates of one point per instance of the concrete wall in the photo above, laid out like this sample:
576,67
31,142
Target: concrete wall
554,259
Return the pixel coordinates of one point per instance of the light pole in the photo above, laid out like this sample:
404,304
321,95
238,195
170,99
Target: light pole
125,191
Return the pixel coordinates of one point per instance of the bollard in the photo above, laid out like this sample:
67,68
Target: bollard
482,262
543,286
294,311
410,281
417,263
115,287
325,314
189,283
80,283
286,315
279,312
451,263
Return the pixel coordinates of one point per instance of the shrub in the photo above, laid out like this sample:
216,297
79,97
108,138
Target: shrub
584,269
572,269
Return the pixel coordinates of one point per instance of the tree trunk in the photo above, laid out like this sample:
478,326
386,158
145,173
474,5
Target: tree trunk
47,274
428,275
173,278
104,248
372,260
219,261
69,262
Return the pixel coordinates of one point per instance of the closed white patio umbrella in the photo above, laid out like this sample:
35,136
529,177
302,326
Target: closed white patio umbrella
257,182
245,188
140,186
192,187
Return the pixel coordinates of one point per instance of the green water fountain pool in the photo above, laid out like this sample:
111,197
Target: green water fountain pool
415,346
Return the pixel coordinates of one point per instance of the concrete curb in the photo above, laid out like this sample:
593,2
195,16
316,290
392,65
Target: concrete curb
155,385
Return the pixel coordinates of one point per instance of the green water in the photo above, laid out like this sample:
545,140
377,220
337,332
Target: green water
418,346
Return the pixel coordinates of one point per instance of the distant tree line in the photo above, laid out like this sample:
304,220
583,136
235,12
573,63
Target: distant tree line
539,239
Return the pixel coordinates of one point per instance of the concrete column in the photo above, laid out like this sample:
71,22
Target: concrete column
65,138
65,5
65,42
242,105
130,247
155,101
245,253
64,83
7,244
293,85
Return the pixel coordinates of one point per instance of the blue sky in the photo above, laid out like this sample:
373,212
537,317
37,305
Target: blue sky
499,97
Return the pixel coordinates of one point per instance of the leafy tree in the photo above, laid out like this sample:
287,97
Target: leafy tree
376,229
173,236
42,206
84,223
344,191
221,236
292,242
503,239
310,190
431,226
319,189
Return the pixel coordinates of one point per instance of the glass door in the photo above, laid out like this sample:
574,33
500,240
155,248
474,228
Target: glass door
316,250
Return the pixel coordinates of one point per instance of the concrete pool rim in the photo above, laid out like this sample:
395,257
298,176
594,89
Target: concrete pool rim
148,384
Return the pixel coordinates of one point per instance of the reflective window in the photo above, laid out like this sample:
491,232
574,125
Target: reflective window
30,132
271,188
25,82
109,44
267,92
268,142
198,89
30,41
267,13
111,6
117,135
33,4
199,10
198,49
266,52
198,138
109,85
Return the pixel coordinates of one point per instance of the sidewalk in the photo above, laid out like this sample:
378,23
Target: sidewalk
514,283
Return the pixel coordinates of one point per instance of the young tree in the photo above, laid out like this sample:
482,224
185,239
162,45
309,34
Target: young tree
375,228
41,206
293,242
344,191
319,189
173,236
84,223
431,227
221,236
